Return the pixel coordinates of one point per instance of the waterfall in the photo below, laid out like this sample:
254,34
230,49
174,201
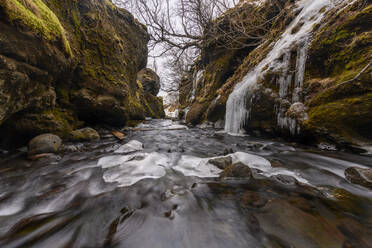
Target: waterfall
196,78
239,103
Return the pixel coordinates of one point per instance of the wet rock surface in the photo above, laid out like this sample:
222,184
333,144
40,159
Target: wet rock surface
359,176
221,162
149,80
44,143
237,170
160,191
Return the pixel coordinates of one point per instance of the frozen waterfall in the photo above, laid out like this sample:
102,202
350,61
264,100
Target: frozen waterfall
239,103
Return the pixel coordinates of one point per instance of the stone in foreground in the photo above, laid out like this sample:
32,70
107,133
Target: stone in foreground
44,143
221,162
237,170
359,176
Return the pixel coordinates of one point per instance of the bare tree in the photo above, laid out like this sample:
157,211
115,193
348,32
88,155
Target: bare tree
180,29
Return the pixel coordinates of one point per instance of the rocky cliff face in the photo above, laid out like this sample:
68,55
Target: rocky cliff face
66,62
310,79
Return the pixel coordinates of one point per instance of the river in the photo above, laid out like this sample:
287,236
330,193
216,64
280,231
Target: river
165,194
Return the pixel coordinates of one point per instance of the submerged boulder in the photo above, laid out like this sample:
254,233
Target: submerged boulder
285,179
44,143
237,170
359,176
84,134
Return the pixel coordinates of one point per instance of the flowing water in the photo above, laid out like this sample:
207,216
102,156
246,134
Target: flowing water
156,189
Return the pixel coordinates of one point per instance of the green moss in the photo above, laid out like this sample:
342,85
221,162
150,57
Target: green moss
38,17
110,4
66,120
350,117
343,47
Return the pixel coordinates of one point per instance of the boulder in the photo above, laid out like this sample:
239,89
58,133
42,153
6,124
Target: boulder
285,179
84,134
221,162
237,170
149,80
44,143
359,176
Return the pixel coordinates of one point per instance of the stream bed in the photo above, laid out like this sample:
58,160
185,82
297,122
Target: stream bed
156,189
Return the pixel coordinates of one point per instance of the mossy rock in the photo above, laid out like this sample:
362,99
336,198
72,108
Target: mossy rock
196,113
36,16
84,134
237,170
350,117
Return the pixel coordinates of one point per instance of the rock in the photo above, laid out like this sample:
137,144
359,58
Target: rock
228,151
237,170
282,219
297,111
149,80
327,147
84,134
276,163
221,162
359,176
44,143
55,71
285,179
220,124
118,135
252,199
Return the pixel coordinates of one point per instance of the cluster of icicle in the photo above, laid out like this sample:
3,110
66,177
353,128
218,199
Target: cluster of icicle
239,103
196,78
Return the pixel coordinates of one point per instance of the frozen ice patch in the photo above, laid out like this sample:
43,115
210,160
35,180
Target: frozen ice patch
251,160
176,127
135,168
131,146
198,167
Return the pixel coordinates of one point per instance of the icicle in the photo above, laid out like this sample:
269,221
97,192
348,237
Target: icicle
239,103
195,82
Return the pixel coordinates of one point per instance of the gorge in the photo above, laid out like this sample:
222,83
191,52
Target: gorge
269,143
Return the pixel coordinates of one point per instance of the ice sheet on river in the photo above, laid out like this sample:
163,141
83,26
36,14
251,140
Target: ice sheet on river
128,169
131,146
199,167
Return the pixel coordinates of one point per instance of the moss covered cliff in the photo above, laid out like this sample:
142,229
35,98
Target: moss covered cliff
63,63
